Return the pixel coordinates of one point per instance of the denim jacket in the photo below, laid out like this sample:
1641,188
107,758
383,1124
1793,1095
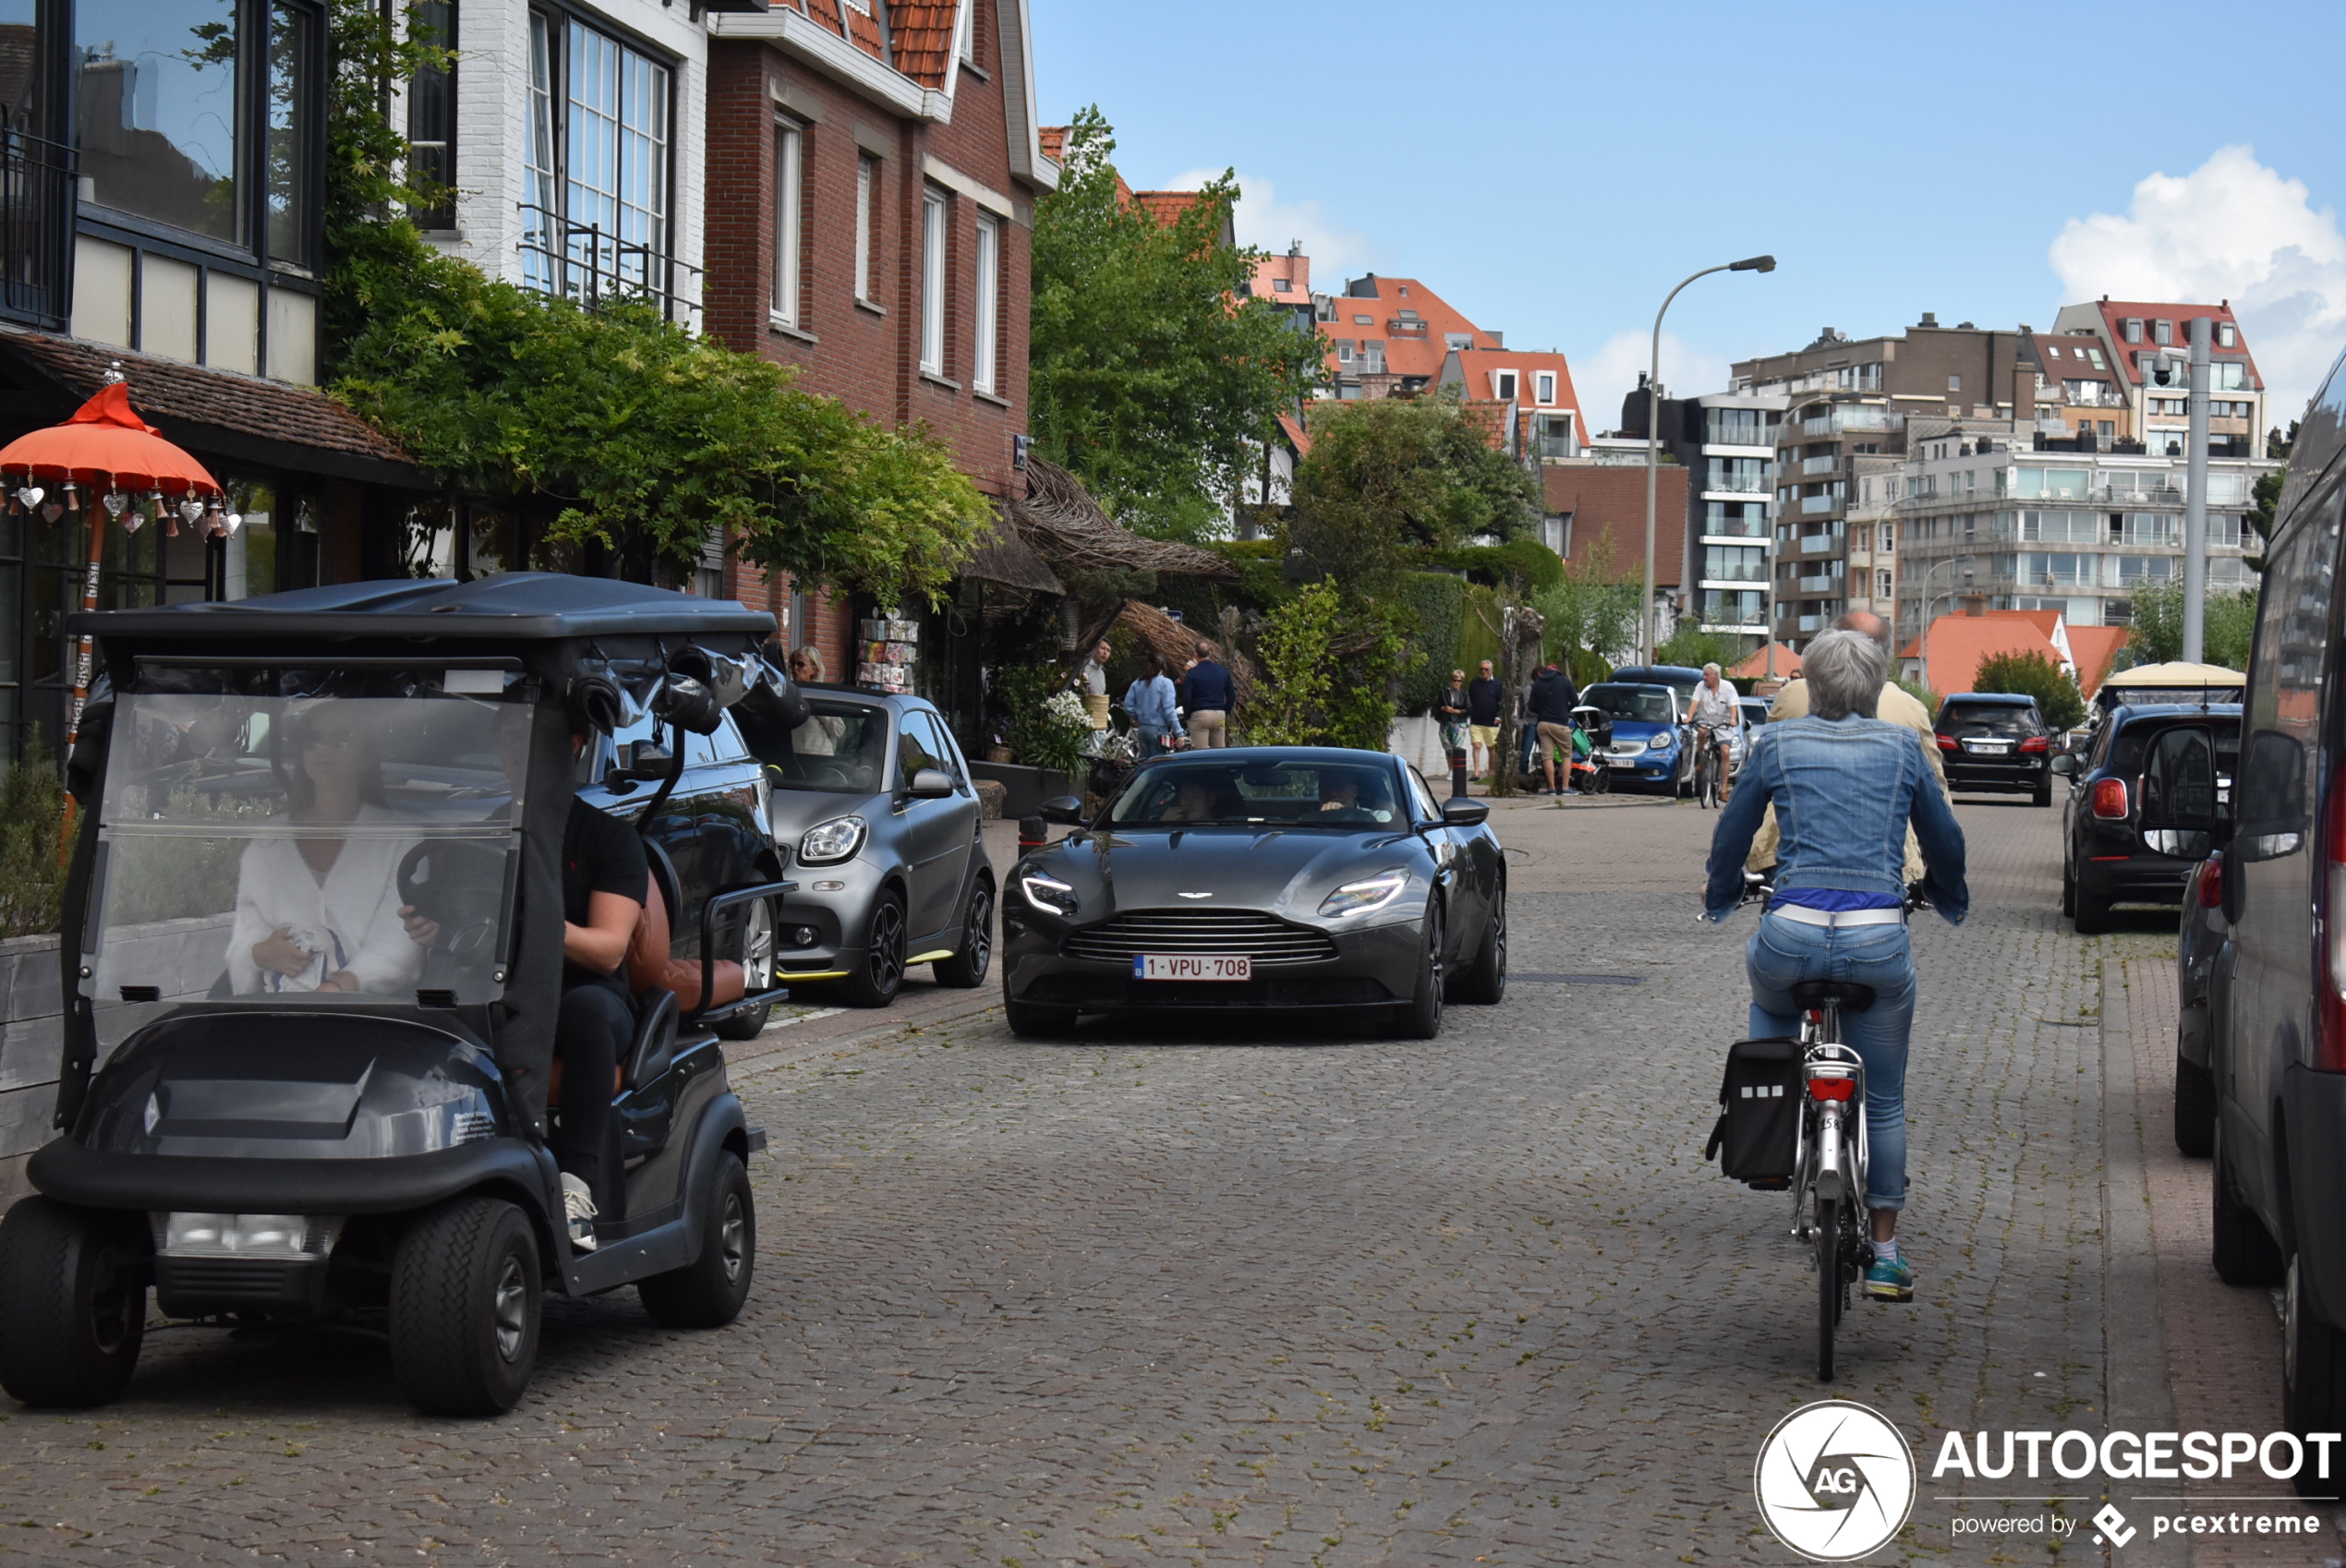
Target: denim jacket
1844,791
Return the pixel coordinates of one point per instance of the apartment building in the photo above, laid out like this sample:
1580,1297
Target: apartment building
164,213
1720,541
2134,336
1391,337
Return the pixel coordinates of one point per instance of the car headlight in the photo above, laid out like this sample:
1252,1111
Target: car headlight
827,842
1048,893
1365,897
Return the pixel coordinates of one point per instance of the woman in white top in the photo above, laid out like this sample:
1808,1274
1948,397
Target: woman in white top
318,912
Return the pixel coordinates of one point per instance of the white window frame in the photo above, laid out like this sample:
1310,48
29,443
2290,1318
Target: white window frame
986,337
1504,384
965,34
1545,382
935,210
789,186
867,187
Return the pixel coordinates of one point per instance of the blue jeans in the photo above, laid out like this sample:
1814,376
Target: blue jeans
1153,737
1783,952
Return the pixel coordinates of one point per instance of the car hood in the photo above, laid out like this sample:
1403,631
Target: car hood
1284,871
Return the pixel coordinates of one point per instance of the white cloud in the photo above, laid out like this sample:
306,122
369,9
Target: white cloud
1610,375
1262,219
2230,229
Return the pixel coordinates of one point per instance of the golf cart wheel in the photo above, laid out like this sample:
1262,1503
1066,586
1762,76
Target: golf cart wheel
708,1293
73,1302
465,1299
879,974
966,969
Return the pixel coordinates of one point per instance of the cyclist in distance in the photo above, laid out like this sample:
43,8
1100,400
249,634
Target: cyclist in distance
1844,786
1715,715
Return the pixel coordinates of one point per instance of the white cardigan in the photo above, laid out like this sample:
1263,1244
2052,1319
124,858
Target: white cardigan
348,921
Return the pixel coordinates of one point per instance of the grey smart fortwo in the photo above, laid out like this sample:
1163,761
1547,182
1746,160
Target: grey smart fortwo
872,803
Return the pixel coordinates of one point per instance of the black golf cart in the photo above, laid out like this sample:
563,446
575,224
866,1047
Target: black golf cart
308,1063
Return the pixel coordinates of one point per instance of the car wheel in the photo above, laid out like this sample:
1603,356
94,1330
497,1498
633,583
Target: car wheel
880,973
2241,1248
2195,1108
757,972
2313,1365
1485,979
708,1293
2043,796
73,1302
2090,914
1421,1018
966,968
2068,891
465,1299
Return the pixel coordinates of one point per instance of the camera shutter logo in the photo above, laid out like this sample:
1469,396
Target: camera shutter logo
1834,1482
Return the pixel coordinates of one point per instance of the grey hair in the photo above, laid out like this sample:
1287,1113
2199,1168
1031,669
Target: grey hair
1710,669
1844,672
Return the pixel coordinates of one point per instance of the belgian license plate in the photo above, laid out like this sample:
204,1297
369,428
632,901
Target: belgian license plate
1991,748
1192,966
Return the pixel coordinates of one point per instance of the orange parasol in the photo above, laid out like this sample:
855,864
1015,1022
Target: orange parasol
108,451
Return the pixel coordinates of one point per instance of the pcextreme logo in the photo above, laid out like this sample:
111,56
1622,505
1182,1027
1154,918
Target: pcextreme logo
1834,1482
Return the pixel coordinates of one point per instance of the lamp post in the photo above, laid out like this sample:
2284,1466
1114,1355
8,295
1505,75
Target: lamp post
1950,595
1654,438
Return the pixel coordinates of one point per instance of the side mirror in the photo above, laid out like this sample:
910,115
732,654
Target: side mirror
930,784
1459,811
645,762
2064,764
1064,809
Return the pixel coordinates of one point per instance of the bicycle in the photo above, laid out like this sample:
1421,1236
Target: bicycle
1706,768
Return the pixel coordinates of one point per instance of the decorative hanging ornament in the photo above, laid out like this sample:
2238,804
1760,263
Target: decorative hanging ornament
189,510
31,495
114,501
235,520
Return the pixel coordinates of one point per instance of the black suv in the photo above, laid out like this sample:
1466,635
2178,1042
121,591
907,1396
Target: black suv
1995,741
2111,851
2277,1034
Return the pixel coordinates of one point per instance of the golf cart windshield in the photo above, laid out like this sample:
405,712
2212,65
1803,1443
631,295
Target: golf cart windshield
312,851
1651,704
1197,794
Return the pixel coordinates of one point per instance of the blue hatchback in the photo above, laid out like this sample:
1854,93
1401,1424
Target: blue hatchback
1648,746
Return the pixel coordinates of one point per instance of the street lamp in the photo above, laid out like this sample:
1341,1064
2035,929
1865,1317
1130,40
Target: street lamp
1654,438
1951,595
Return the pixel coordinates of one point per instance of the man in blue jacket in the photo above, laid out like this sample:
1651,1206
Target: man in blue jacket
1209,699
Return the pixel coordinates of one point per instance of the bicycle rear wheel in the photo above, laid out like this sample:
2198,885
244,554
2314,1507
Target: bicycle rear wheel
1828,1283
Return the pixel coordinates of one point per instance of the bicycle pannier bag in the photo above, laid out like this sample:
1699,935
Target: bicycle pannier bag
1759,1130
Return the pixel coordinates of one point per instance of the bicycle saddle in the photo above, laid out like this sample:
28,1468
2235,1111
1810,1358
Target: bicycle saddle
1853,997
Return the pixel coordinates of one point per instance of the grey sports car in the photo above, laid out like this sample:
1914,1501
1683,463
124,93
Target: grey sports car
1288,878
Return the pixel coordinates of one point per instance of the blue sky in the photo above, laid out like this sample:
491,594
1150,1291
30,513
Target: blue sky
1552,169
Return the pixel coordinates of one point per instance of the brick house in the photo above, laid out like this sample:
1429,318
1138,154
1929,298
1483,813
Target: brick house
872,174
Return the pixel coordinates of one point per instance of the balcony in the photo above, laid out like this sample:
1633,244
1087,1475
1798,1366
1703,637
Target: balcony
1812,543
1734,530
1733,482
1853,418
1814,504
1824,464
1814,585
36,229
588,263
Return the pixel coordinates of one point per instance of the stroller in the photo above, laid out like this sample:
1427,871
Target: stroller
1592,734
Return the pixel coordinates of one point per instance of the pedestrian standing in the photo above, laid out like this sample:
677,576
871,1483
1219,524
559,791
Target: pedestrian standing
1210,691
1096,685
1549,709
1150,701
1484,696
1450,714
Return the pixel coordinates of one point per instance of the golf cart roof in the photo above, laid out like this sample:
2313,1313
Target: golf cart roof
512,607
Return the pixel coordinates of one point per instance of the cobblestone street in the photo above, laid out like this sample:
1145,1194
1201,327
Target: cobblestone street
1234,1298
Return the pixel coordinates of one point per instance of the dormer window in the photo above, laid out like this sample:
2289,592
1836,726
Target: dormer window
2162,333
1546,383
2227,335
1506,382
1282,286
2133,328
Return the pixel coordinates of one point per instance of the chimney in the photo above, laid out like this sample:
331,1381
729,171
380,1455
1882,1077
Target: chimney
1930,320
2024,397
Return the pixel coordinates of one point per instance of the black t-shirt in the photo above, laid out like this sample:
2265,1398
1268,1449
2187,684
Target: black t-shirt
600,854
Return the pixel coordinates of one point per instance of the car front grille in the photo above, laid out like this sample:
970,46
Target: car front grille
1266,939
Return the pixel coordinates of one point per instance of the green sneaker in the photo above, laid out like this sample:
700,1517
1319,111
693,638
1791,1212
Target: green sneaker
1891,1279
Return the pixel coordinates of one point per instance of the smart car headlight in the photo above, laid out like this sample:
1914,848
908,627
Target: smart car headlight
827,843
1367,895
1048,893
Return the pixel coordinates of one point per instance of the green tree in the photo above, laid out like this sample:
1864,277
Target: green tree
620,426
1592,616
1394,476
2033,674
1290,701
1146,381
2157,632
2266,497
1693,647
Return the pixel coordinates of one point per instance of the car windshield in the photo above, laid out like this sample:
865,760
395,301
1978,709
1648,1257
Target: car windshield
2132,744
1965,720
268,847
841,748
1200,794
1650,703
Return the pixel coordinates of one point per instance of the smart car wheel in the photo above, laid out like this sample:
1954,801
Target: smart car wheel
877,978
966,968
73,1302
708,1291
465,1297
757,972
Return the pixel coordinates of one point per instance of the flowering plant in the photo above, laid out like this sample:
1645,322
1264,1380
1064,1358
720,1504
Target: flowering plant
1048,723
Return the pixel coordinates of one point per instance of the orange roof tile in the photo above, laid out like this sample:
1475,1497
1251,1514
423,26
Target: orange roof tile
1754,664
2096,649
1298,437
1165,205
1053,140
1959,643
2115,311
923,32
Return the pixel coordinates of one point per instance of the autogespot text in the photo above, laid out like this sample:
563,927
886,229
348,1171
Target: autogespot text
2134,1456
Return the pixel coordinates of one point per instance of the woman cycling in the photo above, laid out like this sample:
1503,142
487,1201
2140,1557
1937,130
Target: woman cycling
1844,786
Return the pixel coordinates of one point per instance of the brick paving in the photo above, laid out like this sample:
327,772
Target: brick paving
1228,1296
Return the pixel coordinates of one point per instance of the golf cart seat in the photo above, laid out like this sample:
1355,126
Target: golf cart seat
665,988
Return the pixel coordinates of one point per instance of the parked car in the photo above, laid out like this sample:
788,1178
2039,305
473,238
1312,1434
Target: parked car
1649,747
2110,853
2199,949
1260,878
2276,1000
1755,710
872,802
1995,742
1681,679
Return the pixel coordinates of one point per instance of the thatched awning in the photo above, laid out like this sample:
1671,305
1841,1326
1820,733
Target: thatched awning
1003,558
1069,531
1177,644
